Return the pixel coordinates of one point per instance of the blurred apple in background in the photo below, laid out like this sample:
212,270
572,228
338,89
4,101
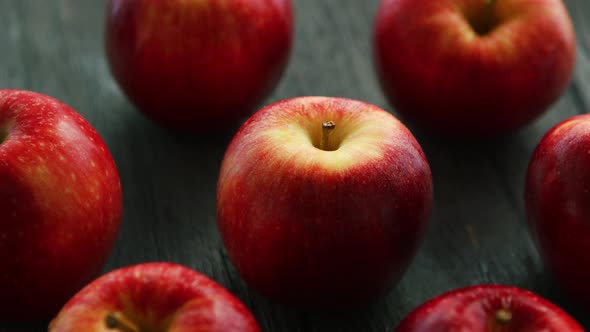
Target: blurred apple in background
473,67
557,197
322,201
198,65
489,308
154,297
60,204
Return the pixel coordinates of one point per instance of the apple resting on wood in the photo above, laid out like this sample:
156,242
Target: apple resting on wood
197,65
489,308
323,201
473,67
160,297
557,196
60,204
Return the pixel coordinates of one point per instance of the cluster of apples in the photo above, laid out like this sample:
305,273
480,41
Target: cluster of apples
321,201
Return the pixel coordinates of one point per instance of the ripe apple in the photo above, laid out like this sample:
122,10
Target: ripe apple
154,297
322,201
557,196
197,65
60,204
473,67
489,308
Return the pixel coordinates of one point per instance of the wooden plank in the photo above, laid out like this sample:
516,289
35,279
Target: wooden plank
14,72
580,13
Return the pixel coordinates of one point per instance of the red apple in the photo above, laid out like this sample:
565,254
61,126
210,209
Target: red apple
557,197
313,215
197,65
159,297
60,204
489,308
473,67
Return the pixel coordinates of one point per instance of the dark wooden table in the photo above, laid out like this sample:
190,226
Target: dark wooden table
478,232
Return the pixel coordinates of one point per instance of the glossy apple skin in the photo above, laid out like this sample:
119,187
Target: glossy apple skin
198,65
474,309
446,78
557,200
308,231
60,204
156,297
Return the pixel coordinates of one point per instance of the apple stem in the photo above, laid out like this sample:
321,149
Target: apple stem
4,132
503,316
327,127
116,321
490,13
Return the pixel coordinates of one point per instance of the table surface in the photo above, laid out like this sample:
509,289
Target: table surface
477,234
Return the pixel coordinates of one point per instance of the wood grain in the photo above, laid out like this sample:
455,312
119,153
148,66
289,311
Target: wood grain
478,232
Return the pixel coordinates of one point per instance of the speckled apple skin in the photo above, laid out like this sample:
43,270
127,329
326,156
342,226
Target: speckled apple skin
156,297
473,309
198,65
557,196
439,73
60,204
316,228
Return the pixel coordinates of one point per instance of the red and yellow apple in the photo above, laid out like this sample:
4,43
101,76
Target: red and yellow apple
557,196
197,65
161,297
489,308
60,204
322,201
473,67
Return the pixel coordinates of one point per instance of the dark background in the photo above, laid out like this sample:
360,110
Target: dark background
477,234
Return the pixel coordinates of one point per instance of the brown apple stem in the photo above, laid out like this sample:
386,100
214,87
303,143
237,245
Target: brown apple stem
490,12
4,129
503,316
116,321
327,128
3,135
